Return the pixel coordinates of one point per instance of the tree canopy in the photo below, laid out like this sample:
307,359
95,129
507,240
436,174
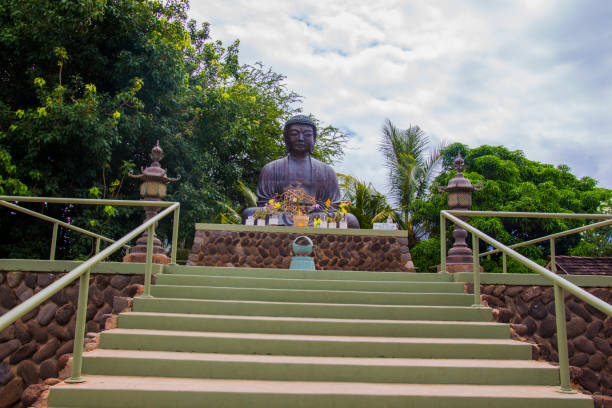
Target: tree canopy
511,182
88,86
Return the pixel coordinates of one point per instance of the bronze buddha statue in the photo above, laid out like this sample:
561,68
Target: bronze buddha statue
300,170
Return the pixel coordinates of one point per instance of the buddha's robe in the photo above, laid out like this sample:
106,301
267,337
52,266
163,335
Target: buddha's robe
319,181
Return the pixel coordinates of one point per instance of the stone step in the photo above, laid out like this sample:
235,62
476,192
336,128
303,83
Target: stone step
311,284
315,326
292,368
313,345
137,392
325,310
314,296
302,274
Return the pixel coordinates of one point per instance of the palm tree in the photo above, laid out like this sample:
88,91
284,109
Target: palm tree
366,204
411,168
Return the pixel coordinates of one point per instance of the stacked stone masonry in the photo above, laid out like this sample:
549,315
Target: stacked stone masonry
258,249
531,312
35,350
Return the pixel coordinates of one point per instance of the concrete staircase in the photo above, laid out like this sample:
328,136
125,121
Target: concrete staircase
238,337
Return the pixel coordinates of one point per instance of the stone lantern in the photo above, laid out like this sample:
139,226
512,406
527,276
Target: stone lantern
459,191
152,188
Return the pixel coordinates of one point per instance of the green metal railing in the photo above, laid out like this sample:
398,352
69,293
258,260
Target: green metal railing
83,271
560,284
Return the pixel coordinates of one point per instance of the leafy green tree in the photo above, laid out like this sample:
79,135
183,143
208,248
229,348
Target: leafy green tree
86,89
411,170
511,182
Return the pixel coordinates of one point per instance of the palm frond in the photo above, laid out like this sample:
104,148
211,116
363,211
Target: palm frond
249,195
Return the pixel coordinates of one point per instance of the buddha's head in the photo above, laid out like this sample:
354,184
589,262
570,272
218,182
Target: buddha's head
300,134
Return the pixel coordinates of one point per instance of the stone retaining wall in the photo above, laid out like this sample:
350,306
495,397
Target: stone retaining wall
35,351
263,249
531,312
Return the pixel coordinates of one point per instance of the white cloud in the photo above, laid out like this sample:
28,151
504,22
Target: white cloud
529,75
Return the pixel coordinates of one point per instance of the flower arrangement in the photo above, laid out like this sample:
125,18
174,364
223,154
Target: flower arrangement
296,201
342,210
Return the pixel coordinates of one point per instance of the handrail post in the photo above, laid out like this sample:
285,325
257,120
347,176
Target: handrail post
504,263
53,242
79,330
476,264
175,230
564,375
97,245
442,243
149,261
553,264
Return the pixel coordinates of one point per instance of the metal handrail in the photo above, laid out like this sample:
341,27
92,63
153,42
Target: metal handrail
88,201
560,284
57,222
553,236
82,271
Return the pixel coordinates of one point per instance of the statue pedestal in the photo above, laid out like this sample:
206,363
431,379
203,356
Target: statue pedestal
249,246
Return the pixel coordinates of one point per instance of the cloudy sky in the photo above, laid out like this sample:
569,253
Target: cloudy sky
533,75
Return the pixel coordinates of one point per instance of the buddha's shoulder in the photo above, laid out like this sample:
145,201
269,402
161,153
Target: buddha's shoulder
320,164
274,164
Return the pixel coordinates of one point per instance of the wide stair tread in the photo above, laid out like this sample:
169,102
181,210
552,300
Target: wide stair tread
315,368
107,391
297,283
304,309
311,295
310,325
313,345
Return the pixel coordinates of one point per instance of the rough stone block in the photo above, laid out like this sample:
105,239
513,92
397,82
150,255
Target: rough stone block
22,333
8,348
5,373
32,393
48,369
28,371
47,350
7,297
594,329
13,279
46,314
64,313
11,393
45,279
584,344
40,334
22,353
575,327
64,349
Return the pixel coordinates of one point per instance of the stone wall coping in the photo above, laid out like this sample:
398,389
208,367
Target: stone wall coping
532,279
35,265
302,231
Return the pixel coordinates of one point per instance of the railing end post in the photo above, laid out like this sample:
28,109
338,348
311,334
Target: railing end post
564,390
76,380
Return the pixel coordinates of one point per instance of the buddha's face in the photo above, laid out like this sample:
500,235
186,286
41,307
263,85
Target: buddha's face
299,139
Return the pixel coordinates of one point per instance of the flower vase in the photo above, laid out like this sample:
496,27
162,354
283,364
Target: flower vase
261,222
300,220
343,224
331,224
323,224
273,220
249,221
